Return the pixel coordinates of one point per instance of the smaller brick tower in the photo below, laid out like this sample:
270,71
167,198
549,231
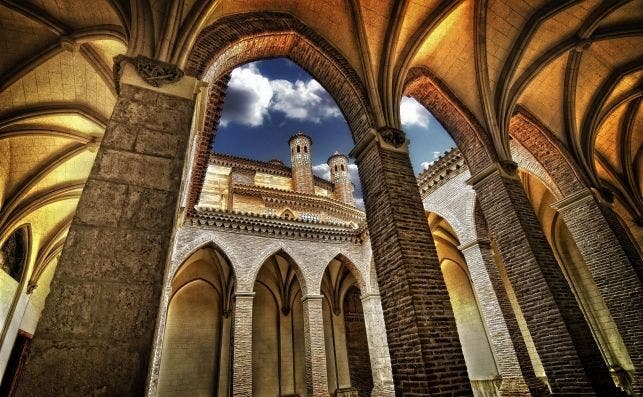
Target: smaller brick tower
302,169
338,164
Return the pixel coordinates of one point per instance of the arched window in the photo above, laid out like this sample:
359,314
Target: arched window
342,167
305,149
13,254
298,149
335,167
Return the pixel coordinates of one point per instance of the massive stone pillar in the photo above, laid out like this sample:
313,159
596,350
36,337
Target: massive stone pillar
423,341
314,346
613,271
95,333
569,354
507,343
242,345
377,347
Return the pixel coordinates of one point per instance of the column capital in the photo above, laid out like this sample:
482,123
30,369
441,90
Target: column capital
388,138
154,75
580,197
245,295
505,169
312,297
480,242
572,200
369,297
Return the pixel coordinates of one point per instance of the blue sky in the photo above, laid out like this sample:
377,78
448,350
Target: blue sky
268,101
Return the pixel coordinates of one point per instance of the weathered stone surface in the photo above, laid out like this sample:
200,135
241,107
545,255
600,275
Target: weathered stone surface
135,169
88,213
105,293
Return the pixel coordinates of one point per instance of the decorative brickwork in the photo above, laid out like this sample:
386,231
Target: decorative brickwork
203,139
343,187
96,329
302,167
423,342
570,356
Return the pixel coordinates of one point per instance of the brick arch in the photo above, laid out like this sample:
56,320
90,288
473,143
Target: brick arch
355,271
460,123
242,38
207,243
180,255
529,164
554,159
290,258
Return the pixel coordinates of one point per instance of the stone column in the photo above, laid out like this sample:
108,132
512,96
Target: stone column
314,346
96,330
242,345
426,355
507,343
569,354
377,347
612,270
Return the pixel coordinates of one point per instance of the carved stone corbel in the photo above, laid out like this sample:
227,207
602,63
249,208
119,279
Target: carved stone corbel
153,72
392,136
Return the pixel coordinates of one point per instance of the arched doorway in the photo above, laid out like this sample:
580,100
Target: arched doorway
196,355
347,357
478,356
278,357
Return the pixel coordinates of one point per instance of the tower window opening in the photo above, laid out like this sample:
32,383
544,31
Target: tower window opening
335,168
298,149
305,149
342,167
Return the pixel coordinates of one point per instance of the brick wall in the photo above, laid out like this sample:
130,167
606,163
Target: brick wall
423,341
569,354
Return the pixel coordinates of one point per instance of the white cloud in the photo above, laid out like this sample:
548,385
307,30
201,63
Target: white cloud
359,202
248,97
412,113
427,164
251,97
322,171
303,100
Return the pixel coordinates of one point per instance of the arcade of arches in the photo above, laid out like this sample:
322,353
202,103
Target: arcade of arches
134,261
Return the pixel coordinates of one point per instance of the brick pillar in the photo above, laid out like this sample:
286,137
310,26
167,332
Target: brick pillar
96,331
314,346
569,354
426,355
377,347
612,270
507,343
242,345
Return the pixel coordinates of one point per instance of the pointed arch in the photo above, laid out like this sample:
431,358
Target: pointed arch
282,252
459,122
